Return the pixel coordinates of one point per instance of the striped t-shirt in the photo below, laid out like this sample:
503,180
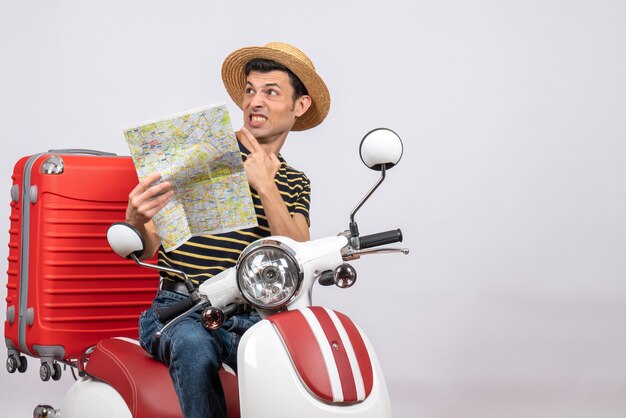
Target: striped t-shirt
203,257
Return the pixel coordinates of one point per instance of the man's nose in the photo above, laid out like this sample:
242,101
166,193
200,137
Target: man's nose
256,100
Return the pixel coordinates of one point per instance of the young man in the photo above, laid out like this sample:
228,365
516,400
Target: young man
278,90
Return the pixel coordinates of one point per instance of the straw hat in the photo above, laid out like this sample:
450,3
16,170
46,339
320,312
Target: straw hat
290,57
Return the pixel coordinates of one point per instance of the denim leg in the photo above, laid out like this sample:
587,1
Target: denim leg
240,323
193,356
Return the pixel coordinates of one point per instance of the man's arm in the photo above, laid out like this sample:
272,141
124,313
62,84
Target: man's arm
144,201
278,217
261,168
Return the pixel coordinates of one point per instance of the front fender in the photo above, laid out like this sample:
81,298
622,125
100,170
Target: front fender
280,360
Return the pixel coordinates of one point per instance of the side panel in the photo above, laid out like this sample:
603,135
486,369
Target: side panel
94,399
266,372
73,290
11,325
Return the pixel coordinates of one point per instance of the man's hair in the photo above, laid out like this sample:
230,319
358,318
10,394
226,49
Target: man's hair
263,65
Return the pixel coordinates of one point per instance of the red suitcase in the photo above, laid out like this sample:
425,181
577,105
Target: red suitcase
66,289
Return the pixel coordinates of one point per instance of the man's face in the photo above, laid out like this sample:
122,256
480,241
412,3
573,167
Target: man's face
269,110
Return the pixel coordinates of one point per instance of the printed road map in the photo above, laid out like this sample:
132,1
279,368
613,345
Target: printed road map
198,153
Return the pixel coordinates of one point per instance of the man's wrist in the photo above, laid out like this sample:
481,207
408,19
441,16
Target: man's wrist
266,189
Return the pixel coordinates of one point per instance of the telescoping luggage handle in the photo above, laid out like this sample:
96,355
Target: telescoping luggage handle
54,164
80,151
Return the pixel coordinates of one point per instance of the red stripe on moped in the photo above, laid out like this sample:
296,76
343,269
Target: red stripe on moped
328,353
360,350
304,352
339,353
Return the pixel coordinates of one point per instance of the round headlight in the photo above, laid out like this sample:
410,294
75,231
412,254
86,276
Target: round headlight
268,274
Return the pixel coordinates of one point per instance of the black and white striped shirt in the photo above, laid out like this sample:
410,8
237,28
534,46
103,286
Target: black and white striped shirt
203,257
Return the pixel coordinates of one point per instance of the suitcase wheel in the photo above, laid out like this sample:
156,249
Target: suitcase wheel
16,363
57,371
11,364
46,372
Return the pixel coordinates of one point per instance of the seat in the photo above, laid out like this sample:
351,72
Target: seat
124,365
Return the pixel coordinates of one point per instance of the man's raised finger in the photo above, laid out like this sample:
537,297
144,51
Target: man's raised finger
254,144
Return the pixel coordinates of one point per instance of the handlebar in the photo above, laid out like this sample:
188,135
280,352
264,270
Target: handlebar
166,314
231,310
380,238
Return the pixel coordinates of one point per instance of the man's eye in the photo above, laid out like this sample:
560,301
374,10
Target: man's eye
272,92
249,91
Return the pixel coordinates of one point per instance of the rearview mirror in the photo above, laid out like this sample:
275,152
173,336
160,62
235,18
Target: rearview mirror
380,148
125,240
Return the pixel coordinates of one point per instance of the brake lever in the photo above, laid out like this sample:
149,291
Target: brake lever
404,251
355,254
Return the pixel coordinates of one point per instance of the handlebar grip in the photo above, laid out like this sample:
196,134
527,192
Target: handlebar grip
381,238
166,314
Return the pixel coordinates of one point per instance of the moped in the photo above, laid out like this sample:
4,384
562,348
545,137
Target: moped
300,360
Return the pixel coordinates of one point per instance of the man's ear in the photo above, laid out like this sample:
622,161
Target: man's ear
302,105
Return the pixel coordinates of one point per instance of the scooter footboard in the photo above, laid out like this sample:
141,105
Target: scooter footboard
311,362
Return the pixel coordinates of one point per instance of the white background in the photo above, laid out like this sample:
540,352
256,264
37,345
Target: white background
511,193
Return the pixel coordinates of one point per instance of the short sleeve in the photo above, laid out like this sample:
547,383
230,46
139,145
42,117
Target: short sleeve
303,201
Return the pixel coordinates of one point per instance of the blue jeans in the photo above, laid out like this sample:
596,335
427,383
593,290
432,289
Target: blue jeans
194,355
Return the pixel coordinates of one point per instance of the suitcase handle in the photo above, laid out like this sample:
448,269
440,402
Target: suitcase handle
80,151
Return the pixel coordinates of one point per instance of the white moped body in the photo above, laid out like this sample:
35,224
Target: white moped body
287,366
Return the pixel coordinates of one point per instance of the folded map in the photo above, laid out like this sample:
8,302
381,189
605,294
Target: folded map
197,152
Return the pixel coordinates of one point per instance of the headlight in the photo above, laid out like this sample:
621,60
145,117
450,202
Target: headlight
268,274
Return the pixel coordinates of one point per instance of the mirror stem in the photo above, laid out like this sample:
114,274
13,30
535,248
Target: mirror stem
354,230
188,284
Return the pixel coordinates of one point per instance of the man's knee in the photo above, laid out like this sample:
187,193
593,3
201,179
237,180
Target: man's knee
196,346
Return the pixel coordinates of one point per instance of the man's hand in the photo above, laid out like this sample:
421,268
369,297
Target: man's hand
261,167
145,200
